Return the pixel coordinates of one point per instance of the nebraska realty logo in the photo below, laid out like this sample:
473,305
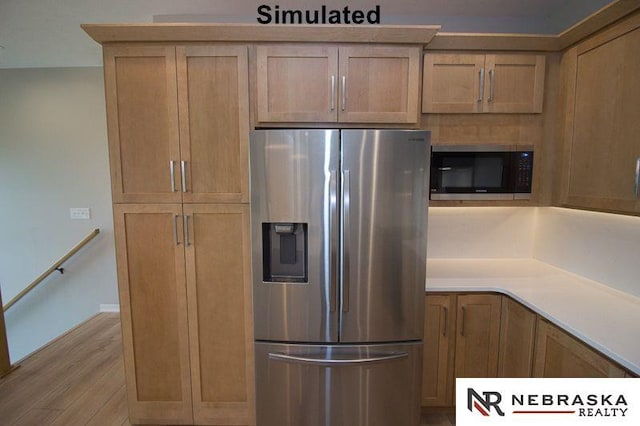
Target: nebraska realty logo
552,401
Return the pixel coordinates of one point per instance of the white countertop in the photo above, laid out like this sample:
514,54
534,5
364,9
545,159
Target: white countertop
605,318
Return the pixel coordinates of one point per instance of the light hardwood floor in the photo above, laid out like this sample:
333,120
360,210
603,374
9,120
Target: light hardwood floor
79,380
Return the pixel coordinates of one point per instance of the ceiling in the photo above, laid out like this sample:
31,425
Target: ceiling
47,33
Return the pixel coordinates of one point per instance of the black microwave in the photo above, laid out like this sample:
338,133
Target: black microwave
481,172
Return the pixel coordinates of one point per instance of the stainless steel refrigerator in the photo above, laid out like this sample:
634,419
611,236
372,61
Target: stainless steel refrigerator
338,244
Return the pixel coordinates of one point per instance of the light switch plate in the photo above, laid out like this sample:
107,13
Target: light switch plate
80,213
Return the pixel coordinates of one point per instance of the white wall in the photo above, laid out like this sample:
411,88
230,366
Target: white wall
480,232
53,156
603,247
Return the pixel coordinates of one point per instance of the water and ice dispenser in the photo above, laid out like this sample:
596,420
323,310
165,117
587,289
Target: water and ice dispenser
284,252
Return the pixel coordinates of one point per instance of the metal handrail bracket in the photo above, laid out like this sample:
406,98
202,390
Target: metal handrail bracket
55,267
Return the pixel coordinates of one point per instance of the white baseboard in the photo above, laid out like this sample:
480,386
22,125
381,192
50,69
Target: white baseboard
109,308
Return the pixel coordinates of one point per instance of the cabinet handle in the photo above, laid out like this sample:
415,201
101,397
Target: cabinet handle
462,322
637,187
481,85
491,75
176,238
344,92
172,173
187,237
183,175
333,92
446,321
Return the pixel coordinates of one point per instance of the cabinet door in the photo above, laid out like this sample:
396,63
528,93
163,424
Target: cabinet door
517,337
439,337
558,354
142,123
220,313
514,83
478,334
606,148
452,83
297,83
379,84
153,308
213,102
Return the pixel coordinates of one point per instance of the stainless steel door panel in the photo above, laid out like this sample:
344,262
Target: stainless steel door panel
294,179
346,385
385,182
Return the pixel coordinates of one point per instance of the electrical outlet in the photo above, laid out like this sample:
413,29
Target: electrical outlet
80,213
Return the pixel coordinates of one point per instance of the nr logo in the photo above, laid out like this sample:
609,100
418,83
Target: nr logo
485,403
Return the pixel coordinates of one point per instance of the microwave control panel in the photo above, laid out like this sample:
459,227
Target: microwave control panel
524,171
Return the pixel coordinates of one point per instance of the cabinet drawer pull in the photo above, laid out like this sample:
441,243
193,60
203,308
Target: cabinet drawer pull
637,186
183,166
462,321
187,237
491,76
344,92
481,85
176,238
172,174
446,321
333,92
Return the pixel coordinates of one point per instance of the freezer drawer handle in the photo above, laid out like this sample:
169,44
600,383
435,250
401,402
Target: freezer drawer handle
337,362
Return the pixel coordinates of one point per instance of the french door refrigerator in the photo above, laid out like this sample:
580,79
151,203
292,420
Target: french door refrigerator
338,247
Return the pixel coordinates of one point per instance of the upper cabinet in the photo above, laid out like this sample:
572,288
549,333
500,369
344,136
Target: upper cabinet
602,154
347,84
474,83
142,122
177,122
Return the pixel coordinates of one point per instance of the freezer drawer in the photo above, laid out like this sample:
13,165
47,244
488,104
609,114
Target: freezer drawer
341,385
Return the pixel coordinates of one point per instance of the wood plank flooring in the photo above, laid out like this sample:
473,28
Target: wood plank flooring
78,379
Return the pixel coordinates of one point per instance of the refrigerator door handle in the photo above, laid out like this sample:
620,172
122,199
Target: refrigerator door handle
344,267
324,362
334,235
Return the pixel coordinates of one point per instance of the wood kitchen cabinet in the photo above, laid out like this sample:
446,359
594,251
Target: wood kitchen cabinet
142,123
177,123
517,339
461,338
475,83
218,271
178,137
347,84
557,354
153,308
185,296
438,350
602,157
477,335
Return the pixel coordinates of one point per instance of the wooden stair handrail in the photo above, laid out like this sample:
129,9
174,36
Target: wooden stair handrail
54,267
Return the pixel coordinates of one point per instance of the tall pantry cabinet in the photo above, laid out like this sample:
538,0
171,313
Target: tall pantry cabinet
178,139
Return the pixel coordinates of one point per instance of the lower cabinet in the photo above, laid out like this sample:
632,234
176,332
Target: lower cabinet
438,350
517,337
461,340
488,335
560,355
185,298
477,335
